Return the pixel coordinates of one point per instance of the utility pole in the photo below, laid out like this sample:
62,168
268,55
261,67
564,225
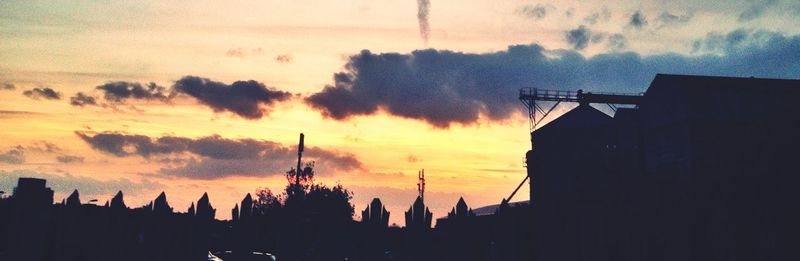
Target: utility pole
298,171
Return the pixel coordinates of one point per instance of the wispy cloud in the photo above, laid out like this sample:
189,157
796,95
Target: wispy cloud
86,185
15,155
43,92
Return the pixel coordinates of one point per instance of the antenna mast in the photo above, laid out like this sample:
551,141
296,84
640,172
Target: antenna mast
421,184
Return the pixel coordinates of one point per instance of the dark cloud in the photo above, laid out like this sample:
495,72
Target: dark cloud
120,91
755,10
86,186
444,87
248,99
81,99
578,38
637,20
219,156
668,19
44,92
535,12
284,58
617,42
7,86
70,159
15,155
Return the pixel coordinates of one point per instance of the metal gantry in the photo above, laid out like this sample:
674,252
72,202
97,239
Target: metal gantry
530,96
541,102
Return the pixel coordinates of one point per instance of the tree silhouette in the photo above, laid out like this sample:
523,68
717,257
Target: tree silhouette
304,199
267,202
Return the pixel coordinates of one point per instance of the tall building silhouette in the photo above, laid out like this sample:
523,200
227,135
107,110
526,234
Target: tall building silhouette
235,212
73,200
204,209
418,216
160,205
461,210
375,214
117,202
246,210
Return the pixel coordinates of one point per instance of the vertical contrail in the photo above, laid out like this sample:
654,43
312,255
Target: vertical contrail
422,15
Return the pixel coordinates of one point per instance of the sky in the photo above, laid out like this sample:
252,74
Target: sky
189,97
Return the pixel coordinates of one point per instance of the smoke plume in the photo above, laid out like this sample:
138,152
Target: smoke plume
423,11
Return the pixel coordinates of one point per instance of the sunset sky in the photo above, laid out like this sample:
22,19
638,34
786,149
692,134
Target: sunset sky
189,97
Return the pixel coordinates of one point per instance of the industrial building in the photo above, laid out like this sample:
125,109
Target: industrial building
696,168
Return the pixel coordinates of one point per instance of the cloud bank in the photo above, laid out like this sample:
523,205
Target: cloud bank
217,157
444,87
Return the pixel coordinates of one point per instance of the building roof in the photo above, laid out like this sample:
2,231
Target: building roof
583,116
691,97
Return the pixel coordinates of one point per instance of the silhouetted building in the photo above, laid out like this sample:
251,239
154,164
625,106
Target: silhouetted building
571,172
703,169
235,213
461,210
160,204
73,200
418,216
33,192
460,216
375,214
117,202
246,211
204,209
722,152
